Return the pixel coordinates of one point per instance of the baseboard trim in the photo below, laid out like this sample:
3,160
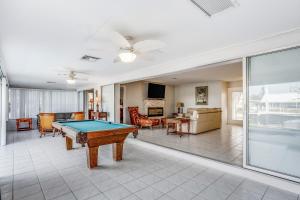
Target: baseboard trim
239,171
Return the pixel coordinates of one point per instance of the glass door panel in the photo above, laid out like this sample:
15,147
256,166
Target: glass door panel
273,112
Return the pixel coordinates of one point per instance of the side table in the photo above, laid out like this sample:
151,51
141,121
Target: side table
24,120
173,123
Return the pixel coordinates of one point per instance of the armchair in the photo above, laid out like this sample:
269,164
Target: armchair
141,120
78,116
46,120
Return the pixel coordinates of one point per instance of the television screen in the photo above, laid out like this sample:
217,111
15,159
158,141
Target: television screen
156,91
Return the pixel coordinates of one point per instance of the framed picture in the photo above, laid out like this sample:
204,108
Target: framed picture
201,95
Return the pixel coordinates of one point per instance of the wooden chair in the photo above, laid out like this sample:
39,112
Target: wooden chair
46,120
99,115
78,116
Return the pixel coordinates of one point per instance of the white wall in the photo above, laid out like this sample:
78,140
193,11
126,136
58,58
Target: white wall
170,100
134,96
224,101
186,93
108,101
117,103
232,84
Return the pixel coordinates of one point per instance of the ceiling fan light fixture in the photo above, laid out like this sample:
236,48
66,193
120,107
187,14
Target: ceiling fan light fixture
127,57
71,81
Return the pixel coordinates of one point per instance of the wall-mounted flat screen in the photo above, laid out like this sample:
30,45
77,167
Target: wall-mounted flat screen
156,91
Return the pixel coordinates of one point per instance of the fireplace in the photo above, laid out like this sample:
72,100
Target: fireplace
155,111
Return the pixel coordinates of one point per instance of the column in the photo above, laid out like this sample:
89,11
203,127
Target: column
3,111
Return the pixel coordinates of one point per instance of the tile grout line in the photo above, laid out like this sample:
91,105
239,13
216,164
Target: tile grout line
36,173
98,188
100,192
150,173
164,179
262,197
178,170
13,169
64,182
236,188
210,185
183,150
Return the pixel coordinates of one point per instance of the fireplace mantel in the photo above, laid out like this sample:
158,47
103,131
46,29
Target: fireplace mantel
154,103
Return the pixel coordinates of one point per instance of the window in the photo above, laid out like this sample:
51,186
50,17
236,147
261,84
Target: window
30,102
273,117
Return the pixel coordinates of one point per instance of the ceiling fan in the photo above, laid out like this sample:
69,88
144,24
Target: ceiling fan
71,77
128,50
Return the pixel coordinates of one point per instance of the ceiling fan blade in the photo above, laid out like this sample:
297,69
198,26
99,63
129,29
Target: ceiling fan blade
81,79
119,39
146,57
148,45
63,74
81,73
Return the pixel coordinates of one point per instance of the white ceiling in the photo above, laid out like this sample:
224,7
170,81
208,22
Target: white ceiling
216,72
38,38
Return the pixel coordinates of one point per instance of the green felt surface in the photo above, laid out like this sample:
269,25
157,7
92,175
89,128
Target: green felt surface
93,125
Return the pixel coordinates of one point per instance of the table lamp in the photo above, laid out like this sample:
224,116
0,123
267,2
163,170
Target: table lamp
180,106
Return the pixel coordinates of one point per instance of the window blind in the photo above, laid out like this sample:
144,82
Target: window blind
30,102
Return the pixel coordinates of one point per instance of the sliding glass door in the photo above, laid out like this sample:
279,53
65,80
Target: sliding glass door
273,113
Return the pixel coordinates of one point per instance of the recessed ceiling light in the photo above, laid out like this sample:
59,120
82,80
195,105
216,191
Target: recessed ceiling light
50,82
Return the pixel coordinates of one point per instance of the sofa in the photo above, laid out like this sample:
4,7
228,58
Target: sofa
204,119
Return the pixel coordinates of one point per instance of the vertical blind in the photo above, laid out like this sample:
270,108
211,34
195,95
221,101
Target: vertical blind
30,102
80,101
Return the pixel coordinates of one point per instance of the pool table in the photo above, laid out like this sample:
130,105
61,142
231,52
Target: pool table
95,133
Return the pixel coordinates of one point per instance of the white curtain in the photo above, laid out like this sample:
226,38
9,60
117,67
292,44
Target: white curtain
80,101
30,102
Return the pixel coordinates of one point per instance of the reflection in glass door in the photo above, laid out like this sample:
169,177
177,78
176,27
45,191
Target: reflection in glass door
273,113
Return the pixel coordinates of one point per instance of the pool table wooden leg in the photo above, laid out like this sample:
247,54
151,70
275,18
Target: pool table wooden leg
118,151
92,156
135,134
54,131
69,143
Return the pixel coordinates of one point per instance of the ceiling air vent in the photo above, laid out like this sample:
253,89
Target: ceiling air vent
211,7
89,58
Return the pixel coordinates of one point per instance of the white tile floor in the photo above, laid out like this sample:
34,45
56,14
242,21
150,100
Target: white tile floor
225,144
36,169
